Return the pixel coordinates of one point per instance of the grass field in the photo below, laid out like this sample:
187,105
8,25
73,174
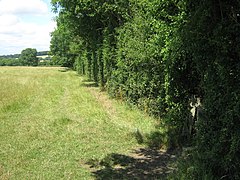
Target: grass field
52,124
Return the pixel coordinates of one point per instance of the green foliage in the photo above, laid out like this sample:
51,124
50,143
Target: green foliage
11,62
60,45
16,60
12,56
85,22
160,55
213,26
45,63
29,57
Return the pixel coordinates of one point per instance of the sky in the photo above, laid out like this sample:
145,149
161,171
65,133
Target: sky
25,24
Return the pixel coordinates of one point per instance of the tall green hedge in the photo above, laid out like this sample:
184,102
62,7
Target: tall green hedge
162,55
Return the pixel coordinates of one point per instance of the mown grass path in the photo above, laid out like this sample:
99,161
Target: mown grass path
51,124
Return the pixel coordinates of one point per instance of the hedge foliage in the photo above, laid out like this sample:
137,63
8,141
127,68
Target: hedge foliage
162,55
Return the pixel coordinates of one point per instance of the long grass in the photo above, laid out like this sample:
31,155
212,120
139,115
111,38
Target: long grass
51,124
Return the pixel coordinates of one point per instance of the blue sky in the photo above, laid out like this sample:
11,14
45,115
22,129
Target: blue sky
25,24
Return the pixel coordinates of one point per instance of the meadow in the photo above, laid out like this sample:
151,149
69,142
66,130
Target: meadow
53,123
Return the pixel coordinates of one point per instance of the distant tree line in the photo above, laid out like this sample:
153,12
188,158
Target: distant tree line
11,56
178,60
28,57
42,53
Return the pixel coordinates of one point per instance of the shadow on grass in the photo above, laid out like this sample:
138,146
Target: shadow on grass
142,164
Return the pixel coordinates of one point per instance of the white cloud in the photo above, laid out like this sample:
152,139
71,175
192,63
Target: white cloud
12,25
8,20
23,7
26,24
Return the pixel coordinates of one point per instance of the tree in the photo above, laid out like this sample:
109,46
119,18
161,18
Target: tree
162,55
61,38
29,57
93,22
